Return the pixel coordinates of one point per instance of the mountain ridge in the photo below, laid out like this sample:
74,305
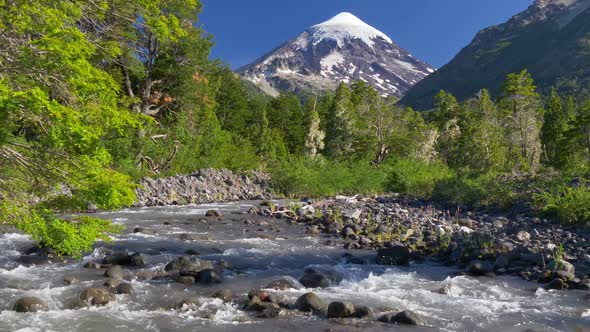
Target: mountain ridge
547,38
341,49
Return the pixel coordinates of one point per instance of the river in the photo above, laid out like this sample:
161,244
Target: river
259,252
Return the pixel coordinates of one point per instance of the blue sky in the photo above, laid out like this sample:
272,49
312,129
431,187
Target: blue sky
432,30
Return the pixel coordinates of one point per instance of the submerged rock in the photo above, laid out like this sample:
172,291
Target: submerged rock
396,255
407,317
30,304
96,296
480,268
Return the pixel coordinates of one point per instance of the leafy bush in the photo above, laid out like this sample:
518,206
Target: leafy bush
318,177
569,205
66,237
416,178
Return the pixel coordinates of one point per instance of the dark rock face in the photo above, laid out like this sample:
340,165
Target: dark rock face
397,255
546,38
204,186
30,304
310,302
333,52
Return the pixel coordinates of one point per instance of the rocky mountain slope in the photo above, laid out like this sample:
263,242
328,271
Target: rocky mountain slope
342,49
551,39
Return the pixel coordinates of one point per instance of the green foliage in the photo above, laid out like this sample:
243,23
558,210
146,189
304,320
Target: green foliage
68,237
318,177
416,178
567,204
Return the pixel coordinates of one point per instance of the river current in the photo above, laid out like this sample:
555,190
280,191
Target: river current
260,252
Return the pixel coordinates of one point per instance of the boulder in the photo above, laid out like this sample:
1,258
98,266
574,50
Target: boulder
556,284
225,295
562,265
310,302
363,312
480,268
96,296
209,276
396,255
30,304
117,272
71,280
282,284
407,317
523,236
124,288
340,310
314,279
213,213
120,258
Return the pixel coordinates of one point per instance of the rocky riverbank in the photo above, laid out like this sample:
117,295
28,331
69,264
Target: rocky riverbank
361,263
203,186
402,229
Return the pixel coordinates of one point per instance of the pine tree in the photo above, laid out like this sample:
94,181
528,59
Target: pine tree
446,118
481,142
521,110
314,142
554,126
339,124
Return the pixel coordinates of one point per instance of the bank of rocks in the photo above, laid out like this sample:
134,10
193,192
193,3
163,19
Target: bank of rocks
203,186
403,229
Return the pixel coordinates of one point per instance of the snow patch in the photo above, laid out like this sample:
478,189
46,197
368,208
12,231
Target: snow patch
332,60
346,26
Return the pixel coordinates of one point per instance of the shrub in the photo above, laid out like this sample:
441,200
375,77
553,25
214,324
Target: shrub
66,237
569,205
416,178
318,177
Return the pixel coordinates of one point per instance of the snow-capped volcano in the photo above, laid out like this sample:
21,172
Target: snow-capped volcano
342,49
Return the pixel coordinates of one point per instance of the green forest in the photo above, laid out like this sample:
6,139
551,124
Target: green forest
95,95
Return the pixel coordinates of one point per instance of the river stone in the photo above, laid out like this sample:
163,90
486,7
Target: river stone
96,296
112,283
314,279
120,258
117,272
187,280
225,295
340,310
124,288
385,318
310,302
363,312
281,284
480,268
209,276
562,265
213,213
406,317
30,304
556,284
397,255
523,236
137,260
71,280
